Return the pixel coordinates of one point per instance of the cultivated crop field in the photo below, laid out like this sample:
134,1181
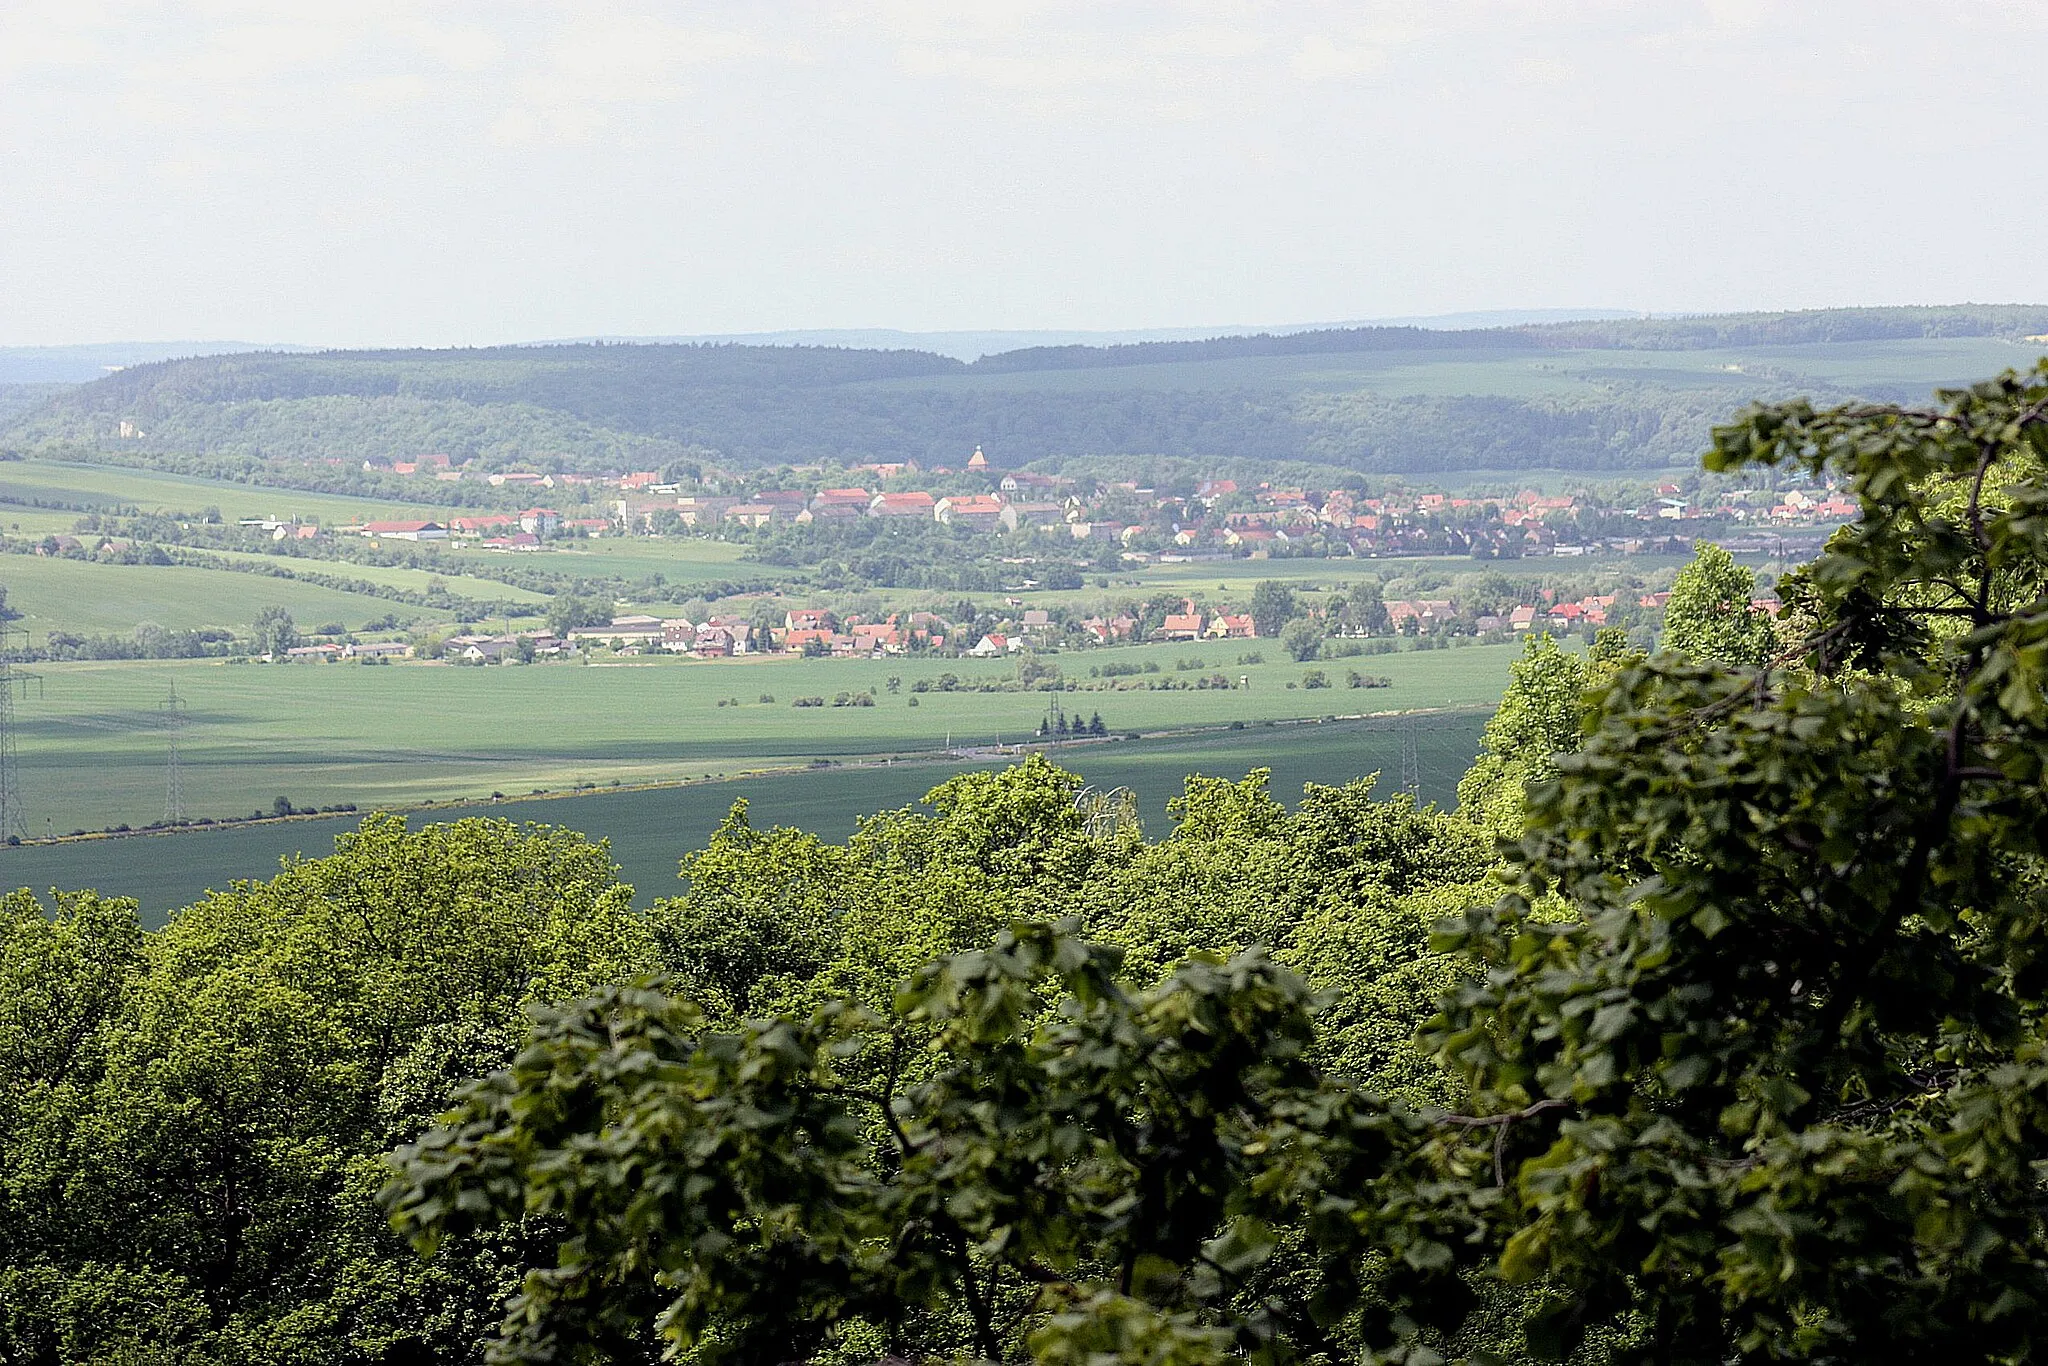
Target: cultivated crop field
650,829
395,576
682,560
96,486
92,747
85,597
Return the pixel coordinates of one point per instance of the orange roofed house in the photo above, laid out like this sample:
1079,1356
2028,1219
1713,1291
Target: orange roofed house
980,511
918,504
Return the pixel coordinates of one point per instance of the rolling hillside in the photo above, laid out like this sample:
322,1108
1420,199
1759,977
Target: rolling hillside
1603,395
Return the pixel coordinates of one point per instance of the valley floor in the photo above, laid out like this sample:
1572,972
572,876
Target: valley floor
650,829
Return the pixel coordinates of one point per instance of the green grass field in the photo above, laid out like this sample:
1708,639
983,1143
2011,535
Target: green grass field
87,598
112,485
651,829
92,748
398,576
682,560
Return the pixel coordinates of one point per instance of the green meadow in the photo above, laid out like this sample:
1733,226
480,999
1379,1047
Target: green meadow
398,576
92,746
682,560
88,598
108,486
651,829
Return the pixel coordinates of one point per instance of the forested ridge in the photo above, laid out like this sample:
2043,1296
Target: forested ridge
1712,1026
595,407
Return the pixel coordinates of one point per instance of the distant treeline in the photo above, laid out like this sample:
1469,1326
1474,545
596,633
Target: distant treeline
1806,328
271,443
619,407
1329,341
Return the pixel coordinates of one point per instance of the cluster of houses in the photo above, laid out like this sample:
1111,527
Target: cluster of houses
1222,517
378,650
807,631
523,530
1263,520
814,631
1015,501
443,469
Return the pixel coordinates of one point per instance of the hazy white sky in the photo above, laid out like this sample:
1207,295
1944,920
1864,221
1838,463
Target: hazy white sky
384,171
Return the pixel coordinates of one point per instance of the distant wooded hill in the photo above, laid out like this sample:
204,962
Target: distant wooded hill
1617,394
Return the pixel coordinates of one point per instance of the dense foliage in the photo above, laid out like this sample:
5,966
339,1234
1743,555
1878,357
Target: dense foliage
1712,614
195,1116
191,1121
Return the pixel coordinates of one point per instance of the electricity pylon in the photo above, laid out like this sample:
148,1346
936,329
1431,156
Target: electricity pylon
173,711
13,816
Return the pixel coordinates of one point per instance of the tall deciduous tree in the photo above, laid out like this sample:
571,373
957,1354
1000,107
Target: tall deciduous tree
1537,720
1272,606
274,631
994,1132
1710,616
1778,1086
1365,606
1302,639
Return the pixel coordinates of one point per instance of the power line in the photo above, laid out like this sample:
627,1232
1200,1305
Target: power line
13,815
1407,729
172,709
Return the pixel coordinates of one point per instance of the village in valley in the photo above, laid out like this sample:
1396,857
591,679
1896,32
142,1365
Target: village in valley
1137,526
887,559
1218,518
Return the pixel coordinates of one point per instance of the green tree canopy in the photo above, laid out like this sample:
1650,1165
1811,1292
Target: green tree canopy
1272,606
190,1139
1333,903
274,631
1777,1076
567,612
1709,616
1537,720
1302,639
1365,606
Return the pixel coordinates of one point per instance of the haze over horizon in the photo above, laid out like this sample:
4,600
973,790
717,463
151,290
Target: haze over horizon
411,173
79,360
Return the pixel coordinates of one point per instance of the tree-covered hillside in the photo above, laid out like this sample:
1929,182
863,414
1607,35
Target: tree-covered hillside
1597,395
